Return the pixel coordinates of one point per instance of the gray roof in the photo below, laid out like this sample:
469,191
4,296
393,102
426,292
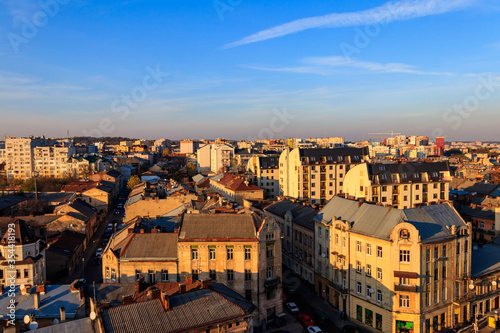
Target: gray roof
301,214
201,226
485,260
433,222
55,297
188,310
111,292
83,325
56,196
198,178
10,200
150,246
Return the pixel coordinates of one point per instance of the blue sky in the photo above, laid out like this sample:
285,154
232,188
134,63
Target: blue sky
230,68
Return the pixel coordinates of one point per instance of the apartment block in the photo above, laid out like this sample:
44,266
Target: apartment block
399,185
394,270
19,156
53,161
265,170
317,174
214,157
241,251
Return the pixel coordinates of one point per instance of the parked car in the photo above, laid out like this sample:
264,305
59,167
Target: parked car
120,205
98,253
292,307
107,233
321,318
306,320
110,226
314,329
117,211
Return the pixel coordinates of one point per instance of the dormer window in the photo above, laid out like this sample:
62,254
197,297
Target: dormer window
404,234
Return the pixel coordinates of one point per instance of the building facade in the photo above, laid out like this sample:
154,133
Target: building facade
316,174
241,251
402,186
395,270
265,170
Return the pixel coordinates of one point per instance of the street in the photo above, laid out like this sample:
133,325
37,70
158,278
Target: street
86,268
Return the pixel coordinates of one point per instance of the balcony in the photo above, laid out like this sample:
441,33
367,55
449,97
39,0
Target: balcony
471,295
406,289
271,282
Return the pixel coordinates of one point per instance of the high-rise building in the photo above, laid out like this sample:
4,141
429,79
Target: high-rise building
440,145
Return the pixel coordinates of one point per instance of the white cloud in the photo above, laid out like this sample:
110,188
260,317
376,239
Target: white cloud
389,12
328,65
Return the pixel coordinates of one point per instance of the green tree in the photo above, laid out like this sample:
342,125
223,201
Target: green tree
166,152
191,169
134,180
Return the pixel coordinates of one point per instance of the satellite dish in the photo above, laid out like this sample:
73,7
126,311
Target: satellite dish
33,325
55,321
92,315
27,319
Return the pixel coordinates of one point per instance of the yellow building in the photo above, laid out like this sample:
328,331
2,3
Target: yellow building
400,185
52,161
19,153
241,251
138,251
317,174
394,270
266,174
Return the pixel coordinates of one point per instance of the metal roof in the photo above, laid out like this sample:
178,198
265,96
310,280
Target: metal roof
485,260
150,245
199,226
188,310
56,296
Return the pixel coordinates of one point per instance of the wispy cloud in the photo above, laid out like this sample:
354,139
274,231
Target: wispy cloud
328,65
389,12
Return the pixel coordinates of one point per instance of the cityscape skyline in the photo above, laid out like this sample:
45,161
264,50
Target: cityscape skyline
224,69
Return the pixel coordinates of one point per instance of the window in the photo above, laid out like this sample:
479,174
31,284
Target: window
270,252
248,294
379,251
196,274
107,272
194,254
319,231
336,239
404,281
138,275
358,287
358,267
113,274
248,275
404,234
404,301
359,313
229,253
270,270
368,291
26,273
379,295
248,254
152,276
378,322
211,254
379,273
212,275
358,246
368,270
164,276
343,241
368,249
436,252
427,255
230,275
404,256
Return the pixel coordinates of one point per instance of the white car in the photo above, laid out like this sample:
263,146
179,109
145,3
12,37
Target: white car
292,307
314,329
110,226
98,253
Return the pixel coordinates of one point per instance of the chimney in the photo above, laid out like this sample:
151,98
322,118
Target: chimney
40,289
165,301
36,301
188,279
182,288
206,283
360,202
154,293
62,310
127,299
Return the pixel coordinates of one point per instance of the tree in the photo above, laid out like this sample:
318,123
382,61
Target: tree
191,169
166,152
134,180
